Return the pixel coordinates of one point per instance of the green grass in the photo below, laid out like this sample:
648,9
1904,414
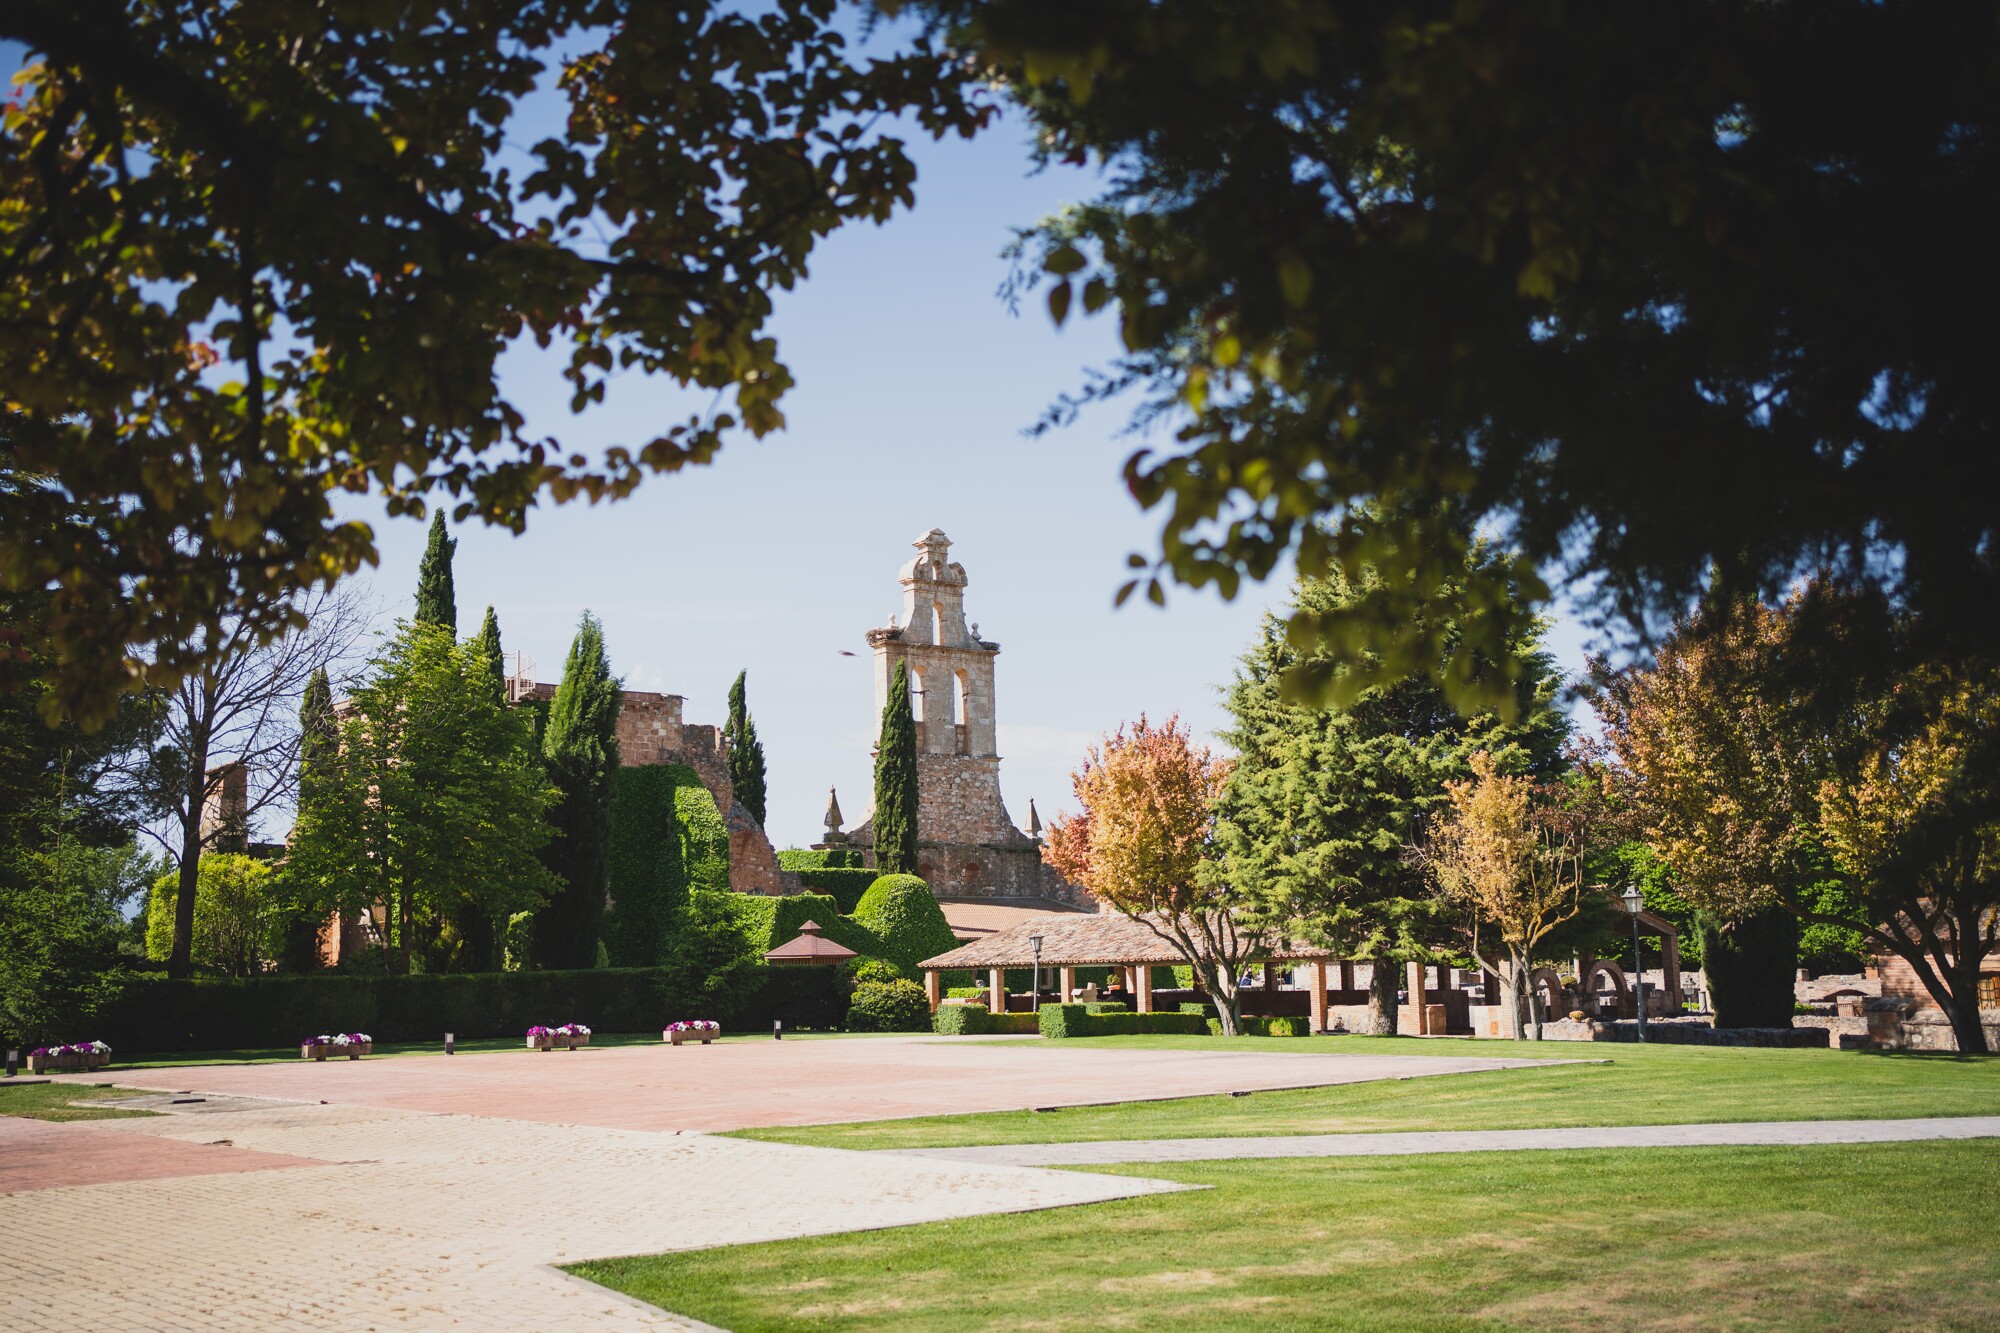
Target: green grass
51,1101
1643,1085
1887,1236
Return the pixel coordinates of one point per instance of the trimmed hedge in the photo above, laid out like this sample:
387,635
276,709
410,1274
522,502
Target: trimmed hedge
1266,1027
647,876
830,858
903,914
845,884
888,1006
974,1020
154,1013
1076,1020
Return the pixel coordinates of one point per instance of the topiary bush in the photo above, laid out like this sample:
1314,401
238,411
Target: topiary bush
1076,1020
976,1020
889,1006
844,884
903,915
820,858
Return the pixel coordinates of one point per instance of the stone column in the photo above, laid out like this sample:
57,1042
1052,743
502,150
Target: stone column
1067,980
996,990
934,988
1142,982
1417,997
1319,995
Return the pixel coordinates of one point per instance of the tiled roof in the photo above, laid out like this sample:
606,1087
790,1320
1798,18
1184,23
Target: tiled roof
808,949
976,918
1094,939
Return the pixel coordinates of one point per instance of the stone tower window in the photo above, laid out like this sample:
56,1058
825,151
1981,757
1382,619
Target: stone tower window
937,622
916,694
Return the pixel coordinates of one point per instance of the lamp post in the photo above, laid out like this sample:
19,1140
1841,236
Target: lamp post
1634,900
1035,948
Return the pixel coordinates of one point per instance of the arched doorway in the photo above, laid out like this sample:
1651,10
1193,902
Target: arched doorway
1621,1005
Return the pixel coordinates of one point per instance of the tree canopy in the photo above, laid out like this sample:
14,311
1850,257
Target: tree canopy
746,752
1667,294
437,590
580,748
256,253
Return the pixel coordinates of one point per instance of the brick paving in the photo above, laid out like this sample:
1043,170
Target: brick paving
736,1085
1104,1152
37,1155
413,1220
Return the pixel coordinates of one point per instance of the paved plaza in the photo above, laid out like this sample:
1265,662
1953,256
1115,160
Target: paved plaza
437,1192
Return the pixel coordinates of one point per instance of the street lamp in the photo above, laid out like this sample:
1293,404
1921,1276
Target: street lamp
1634,900
1035,947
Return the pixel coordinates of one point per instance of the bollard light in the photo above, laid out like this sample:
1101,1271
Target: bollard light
450,1043
13,1062
777,1029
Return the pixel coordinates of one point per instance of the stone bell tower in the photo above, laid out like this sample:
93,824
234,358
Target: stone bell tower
969,845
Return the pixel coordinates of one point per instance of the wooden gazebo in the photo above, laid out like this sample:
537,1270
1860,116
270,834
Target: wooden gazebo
809,949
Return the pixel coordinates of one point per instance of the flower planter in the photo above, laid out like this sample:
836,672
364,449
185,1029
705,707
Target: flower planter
319,1050
568,1037
67,1062
573,1043
541,1041
682,1034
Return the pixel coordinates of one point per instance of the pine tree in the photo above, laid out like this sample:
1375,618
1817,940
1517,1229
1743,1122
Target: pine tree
896,781
319,732
580,749
488,643
746,753
437,597
1325,802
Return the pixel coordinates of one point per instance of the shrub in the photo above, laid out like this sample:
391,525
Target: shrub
864,970
889,1006
975,1020
902,913
647,876
1076,1020
820,858
844,884
1263,1027
1107,1007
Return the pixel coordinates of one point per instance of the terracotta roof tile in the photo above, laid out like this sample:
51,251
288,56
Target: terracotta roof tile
1095,940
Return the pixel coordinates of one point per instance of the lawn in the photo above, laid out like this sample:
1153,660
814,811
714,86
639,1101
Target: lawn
1642,1085
51,1101
1888,1236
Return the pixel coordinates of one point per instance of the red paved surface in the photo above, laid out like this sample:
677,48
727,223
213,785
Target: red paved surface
40,1155
739,1085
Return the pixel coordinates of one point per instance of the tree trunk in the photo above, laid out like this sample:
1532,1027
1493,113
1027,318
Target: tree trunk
1524,986
1750,968
1510,999
194,798
1382,997
1221,989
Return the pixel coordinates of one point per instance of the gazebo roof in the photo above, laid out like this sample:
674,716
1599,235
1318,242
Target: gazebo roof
1096,939
810,949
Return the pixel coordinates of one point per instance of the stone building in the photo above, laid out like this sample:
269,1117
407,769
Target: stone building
651,731
970,849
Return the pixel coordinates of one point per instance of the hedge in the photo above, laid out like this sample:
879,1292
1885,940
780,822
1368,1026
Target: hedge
821,858
1266,1027
903,914
1076,1020
974,1020
647,876
845,884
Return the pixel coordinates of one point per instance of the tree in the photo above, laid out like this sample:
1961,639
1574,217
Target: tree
580,749
1588,270
437,594
319,748
746,753
337,197
238,917
1728,735
895,818
433,800
488,645
237,708
1917,824
1142,843
1512,863
1324,803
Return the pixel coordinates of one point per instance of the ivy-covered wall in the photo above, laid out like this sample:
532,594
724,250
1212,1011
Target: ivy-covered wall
667,840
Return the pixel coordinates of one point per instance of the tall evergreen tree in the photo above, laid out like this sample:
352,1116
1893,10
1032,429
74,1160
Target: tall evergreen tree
896,781
746,753
488,643
580,749
1324,802
319,753
319,731
437,596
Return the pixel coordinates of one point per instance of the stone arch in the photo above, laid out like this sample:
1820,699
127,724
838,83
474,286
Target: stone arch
1620,987
1549,983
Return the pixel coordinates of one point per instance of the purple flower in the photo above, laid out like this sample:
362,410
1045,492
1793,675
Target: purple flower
539,1031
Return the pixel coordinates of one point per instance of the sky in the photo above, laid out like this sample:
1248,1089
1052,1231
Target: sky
914,384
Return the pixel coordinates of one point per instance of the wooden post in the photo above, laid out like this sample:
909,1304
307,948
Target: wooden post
1670,970
1319,995
934,988
1067,981
1347,976
1415,972
1142,984
1270,978
996,990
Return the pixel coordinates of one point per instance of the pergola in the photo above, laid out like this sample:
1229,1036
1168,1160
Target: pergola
1100,939
809,948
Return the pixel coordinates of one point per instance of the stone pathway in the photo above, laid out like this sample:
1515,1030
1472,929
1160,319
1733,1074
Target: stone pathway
408,1220
1106,1152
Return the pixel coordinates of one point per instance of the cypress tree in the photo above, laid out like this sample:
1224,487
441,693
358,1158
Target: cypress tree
580,750
746,753
896,781
488,643
319,748
437,598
